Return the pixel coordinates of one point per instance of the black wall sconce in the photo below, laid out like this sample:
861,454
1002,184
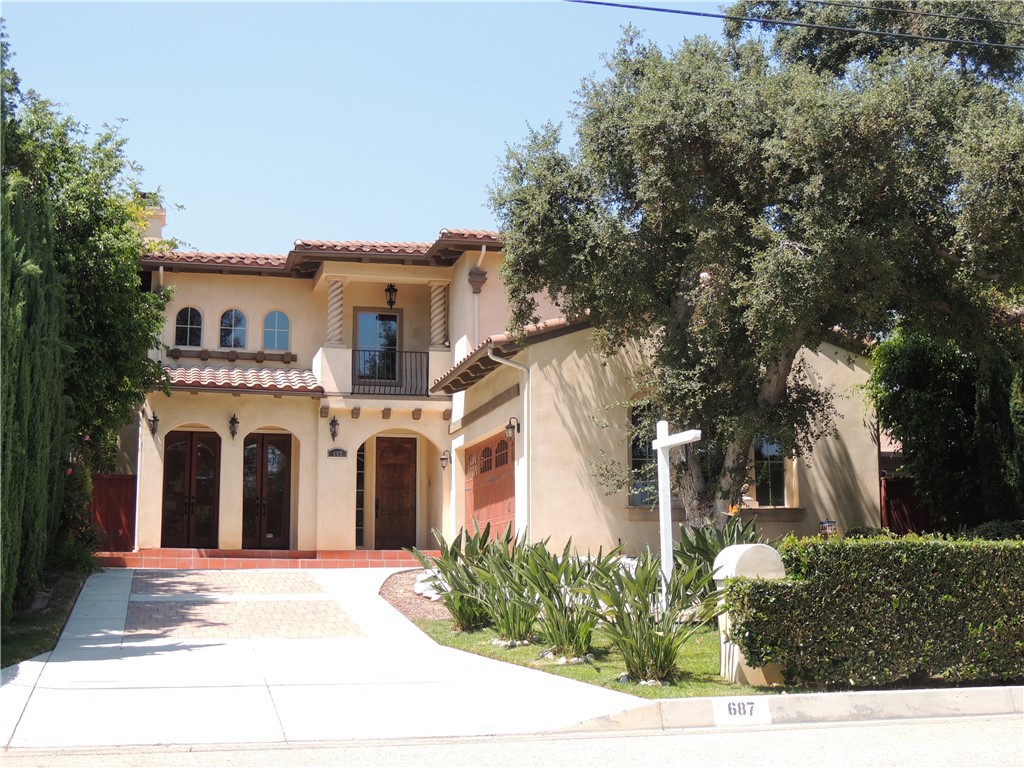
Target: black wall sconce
446,456
153,421
233,426
512,428
333,426
391,292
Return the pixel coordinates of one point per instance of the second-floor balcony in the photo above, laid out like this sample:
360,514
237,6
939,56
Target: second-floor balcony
389,372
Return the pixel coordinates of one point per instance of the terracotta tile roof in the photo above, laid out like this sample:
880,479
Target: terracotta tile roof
281,380
361,246
469,234
268,260
477,364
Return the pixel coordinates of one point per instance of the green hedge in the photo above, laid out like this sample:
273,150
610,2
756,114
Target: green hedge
876,612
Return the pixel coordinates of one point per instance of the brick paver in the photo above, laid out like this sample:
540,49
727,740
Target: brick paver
233,604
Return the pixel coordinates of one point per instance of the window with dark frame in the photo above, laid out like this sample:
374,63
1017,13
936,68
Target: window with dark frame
643,490
769,474
188,328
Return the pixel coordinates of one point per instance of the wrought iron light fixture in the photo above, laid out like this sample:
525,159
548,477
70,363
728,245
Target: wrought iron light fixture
153,420
233,425
512,428
446,456
333,426
391,292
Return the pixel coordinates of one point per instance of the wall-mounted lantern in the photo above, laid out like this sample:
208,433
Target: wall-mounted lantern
153,421
233,426
391,292
446,456
512,428
333,426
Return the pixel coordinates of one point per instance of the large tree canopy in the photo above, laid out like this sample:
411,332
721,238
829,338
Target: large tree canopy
729,207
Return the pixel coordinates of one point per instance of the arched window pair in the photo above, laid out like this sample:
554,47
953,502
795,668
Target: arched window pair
188,329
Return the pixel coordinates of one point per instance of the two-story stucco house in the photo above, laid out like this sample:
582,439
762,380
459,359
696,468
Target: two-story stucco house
357,395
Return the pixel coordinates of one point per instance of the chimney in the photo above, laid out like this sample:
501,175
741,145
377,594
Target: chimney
156,217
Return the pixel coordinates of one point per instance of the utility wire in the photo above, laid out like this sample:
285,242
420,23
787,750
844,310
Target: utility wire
886,9
901,35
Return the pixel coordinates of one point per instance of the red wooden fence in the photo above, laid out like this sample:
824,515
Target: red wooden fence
113,509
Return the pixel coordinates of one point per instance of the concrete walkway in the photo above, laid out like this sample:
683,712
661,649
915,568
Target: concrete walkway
221,657
158,657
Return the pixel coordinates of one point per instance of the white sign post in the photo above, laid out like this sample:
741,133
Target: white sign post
663,444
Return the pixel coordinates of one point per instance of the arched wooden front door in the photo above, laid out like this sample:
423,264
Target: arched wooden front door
191,490
266,491
395,513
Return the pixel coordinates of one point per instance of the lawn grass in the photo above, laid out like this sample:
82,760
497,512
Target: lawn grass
698,663
36,630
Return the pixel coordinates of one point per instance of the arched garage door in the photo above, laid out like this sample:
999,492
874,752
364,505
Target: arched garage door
490,484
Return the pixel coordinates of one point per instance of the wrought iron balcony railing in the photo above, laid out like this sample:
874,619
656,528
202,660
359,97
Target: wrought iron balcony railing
389,372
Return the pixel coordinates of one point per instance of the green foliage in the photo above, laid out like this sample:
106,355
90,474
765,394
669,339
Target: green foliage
457,577
997,530
697,547
951,406
876,612
508,597
728,208
646,630
79,536
562,584
868,532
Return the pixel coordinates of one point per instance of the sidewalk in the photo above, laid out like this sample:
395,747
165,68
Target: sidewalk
269,657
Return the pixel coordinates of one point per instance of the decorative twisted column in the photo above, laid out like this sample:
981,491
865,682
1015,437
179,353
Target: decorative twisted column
438,314
335,311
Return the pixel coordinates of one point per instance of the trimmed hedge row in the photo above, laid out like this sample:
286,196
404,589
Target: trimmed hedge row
875,612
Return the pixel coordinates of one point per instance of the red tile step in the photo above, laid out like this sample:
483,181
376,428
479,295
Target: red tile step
234,559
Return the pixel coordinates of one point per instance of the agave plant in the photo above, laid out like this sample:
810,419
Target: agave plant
647,629
562,584
698,547
456,576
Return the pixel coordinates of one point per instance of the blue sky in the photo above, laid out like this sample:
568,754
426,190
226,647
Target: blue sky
336,121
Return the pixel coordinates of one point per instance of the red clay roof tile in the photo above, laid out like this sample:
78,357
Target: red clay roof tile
269,260
361,246
256,379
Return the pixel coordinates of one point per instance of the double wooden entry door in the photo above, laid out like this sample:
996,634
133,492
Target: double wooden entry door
191,490
266,491
395,518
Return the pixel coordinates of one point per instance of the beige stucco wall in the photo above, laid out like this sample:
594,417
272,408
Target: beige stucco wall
214,294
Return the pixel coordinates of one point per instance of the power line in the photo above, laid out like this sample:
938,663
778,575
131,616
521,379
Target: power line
854,30
886,9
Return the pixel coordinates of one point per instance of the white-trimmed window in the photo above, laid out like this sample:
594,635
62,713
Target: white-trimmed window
275,331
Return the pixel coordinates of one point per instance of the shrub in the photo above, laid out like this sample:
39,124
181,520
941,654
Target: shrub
78,536
869,532
511,603
997,530
456,576
648,633
698,547
562,584
870,612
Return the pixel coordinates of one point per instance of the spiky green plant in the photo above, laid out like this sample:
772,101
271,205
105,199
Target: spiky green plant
567,618
456,575
645,628
510,601
698,547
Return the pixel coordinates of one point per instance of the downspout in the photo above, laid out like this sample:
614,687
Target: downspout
526,426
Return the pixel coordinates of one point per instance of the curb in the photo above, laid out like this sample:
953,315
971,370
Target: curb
781,709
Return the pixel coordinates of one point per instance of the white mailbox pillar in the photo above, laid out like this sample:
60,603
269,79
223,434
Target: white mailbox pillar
755,561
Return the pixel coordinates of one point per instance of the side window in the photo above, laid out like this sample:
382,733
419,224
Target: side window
642,460
188,328
769,474
232,329
275,331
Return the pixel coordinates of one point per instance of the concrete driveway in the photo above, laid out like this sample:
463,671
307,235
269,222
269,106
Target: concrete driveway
226,657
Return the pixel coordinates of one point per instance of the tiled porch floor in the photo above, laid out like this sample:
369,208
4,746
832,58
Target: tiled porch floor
236,559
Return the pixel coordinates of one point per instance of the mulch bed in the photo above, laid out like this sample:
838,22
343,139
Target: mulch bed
397,590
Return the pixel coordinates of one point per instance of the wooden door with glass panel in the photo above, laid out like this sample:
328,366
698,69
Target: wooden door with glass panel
191,490
266,491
